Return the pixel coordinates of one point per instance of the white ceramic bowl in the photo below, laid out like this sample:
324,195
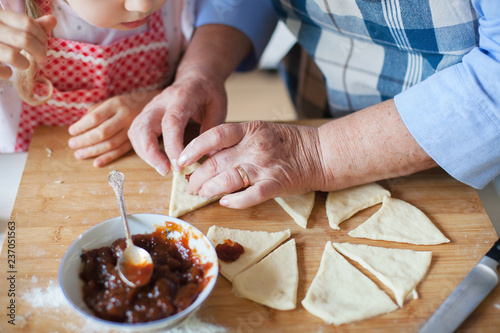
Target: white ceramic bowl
104,234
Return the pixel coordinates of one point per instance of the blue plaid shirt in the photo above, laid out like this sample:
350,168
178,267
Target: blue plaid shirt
370,51
438,59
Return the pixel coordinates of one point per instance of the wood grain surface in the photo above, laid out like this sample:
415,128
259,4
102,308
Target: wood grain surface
61,197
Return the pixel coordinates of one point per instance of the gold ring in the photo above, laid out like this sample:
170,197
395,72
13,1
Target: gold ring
243,175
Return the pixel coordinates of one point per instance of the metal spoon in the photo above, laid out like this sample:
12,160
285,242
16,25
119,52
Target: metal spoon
135,265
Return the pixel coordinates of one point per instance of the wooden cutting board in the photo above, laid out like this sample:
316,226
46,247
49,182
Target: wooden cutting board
61,197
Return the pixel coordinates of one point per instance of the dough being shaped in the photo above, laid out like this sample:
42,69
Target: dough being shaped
400,270
398,221
273,281
341,205
341,294
182,202
257,245
299,207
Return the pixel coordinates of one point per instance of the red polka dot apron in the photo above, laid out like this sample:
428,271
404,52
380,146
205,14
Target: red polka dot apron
83,74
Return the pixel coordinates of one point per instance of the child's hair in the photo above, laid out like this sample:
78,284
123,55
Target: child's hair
25,80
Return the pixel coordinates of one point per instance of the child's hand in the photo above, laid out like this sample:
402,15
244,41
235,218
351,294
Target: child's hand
20,32
103,130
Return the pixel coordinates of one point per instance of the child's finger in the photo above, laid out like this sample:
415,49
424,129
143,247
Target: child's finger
24,23
102,147
5,72
47,22
93,118
13,57
109,157
109,129
22,32
94,136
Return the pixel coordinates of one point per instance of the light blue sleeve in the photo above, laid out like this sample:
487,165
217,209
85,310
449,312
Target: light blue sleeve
255,18
455,114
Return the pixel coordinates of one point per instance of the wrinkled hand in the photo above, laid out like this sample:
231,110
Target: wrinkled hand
192,96
278,159
103,130
20,32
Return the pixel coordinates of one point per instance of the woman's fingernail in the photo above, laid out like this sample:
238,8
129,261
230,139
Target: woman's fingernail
181,160
161,170
72,143
150,164
224,202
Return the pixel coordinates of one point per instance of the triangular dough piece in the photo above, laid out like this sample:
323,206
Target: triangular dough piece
182,202
257,244
341,205
299,207
398,221
341,294
399,269
273,281
411,295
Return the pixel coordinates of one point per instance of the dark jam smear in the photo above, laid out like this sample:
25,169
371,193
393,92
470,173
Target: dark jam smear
229,251
177,280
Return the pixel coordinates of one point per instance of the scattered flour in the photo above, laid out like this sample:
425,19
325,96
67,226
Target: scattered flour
194,325
51,297
143,188
37,252
51,301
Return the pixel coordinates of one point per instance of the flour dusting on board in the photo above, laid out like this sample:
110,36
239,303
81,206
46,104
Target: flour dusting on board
143,188
194,325
50,297
50,301
37,252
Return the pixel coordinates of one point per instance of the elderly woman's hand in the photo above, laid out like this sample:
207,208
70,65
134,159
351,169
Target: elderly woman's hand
277,160
197,93
168,113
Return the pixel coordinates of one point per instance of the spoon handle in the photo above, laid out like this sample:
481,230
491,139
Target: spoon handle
116,180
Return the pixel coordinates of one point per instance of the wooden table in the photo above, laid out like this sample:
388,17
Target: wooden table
61,197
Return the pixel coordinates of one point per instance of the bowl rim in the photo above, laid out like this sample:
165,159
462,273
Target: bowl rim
184,314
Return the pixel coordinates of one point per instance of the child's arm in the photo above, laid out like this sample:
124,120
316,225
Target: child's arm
20,32
102,132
